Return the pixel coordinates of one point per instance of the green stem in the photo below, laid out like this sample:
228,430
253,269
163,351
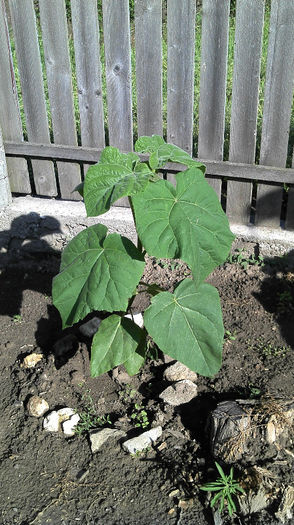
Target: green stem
139,244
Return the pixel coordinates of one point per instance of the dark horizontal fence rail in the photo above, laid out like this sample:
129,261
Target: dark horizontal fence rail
66,79
220,169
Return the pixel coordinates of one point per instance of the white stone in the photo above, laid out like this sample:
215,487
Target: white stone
179,393
139,443
37,406
54,420
31,360
99,437
137,318
69,426
179,372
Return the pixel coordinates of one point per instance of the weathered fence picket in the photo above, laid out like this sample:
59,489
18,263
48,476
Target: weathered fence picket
9,111
214,50
277,107
148,20
30,71
248,41
59,78
160,40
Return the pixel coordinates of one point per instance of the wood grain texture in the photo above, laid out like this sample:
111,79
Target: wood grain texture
148,21
59,78
88,69
91,155
180,72
116,26
247,57
9,110
5,194
277,107
30,71
213,75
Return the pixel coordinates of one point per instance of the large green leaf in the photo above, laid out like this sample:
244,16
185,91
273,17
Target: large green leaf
147,144
187,325
161,152
186,222
116,175
114,343
98,272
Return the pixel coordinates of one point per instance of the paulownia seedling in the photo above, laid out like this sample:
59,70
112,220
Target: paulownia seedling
101,271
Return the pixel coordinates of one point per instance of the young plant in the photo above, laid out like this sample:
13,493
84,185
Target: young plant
225,487
101,271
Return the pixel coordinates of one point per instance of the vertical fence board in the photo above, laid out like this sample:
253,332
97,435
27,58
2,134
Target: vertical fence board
9,111
214,51
5,194
148,20
248,38
277,108
180,72
116,25
59,78
30,71
88,69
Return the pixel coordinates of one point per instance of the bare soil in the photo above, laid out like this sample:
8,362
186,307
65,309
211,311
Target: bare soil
50,479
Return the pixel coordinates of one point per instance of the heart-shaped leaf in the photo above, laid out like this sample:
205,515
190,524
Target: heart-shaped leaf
149,144
115,343
116,175
98,272
161,153
187,325
186,222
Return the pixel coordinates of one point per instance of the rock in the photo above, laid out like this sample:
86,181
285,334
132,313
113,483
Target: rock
137,318
229,424
31,360
121,376
167,359
53,422
178,372
285,511
90,328
99,437
65,345
69,426
247,428
179,393
139,443
37,406
254,502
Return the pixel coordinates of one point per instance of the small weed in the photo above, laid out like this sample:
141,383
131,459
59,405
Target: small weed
254,391
239,257
17,319
225,487
230,336
140,416
267,348
284,302
89,418
127,394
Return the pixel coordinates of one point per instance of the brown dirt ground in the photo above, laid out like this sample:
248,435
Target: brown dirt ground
48,479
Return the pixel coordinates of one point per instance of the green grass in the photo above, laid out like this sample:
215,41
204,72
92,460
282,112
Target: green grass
164,77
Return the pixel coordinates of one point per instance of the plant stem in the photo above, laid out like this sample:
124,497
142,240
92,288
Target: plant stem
139,244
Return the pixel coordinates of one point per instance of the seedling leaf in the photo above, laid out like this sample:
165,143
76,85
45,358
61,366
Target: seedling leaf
186,222
114,343
98,272
193,328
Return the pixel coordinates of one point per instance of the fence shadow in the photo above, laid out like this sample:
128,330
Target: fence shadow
277,292
28,262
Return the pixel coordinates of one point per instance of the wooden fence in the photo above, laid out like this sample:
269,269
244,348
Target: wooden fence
49,164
